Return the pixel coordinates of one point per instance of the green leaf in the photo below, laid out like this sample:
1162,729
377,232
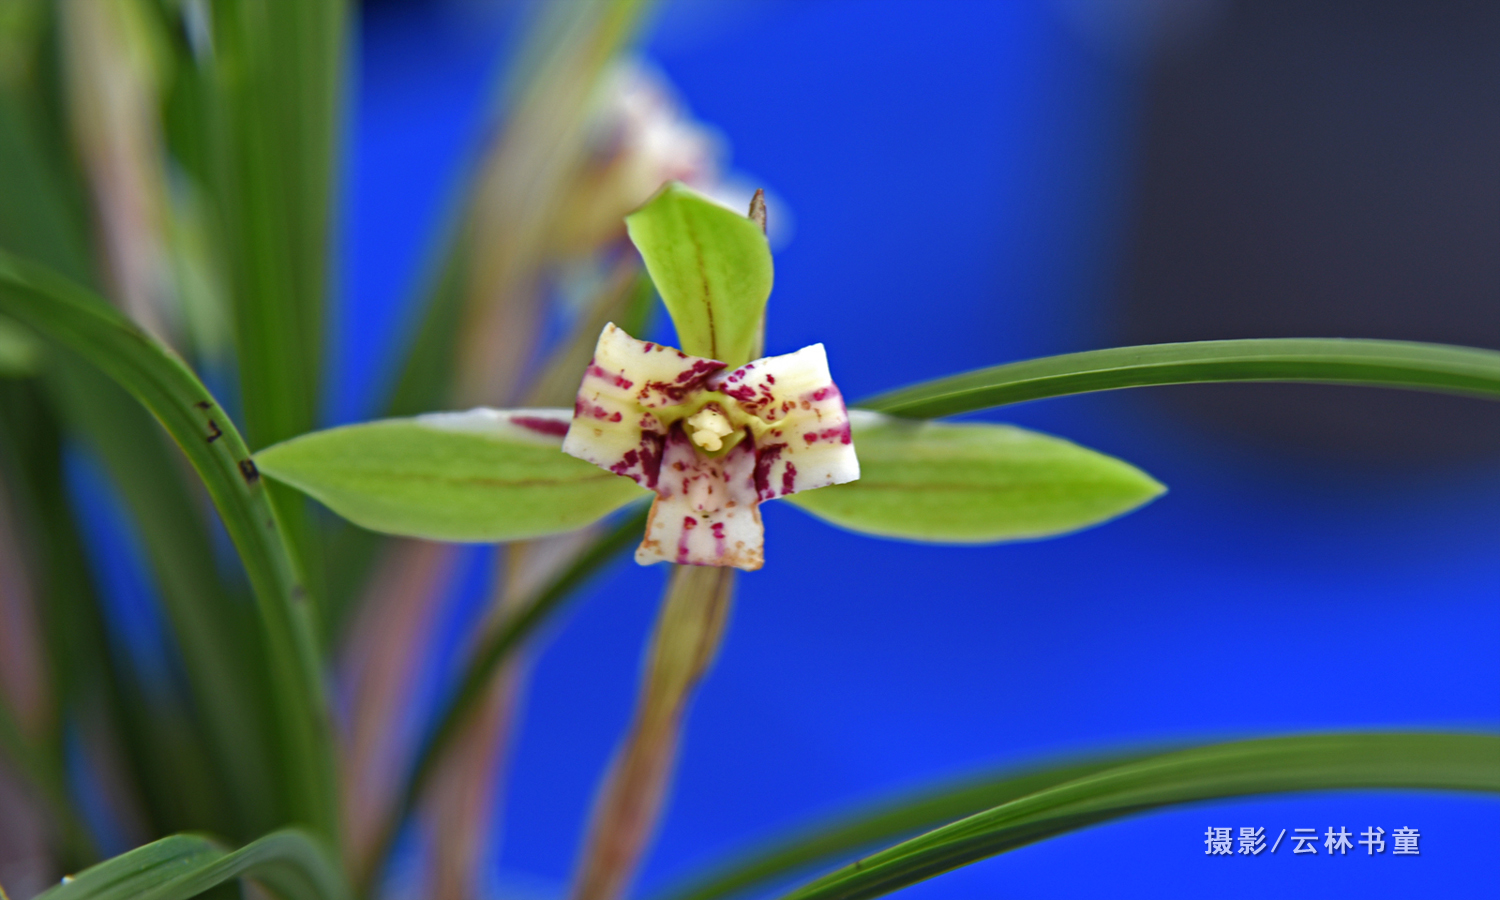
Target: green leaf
474,476
273,112
132,873
45,217
73,317
712,267
1401,364
213,629
1462,762
835,838
289,862
974,483
260,116
1008,811
20,353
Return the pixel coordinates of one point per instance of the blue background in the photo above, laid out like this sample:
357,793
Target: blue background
960,177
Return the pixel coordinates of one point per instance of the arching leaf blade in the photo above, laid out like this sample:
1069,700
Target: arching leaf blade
72,316
473,476
839,836
134,872
1457,762
289,862
974,483
1440,368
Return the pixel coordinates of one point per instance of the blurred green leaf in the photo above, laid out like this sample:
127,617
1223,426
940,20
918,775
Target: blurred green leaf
974,483
291,863
1400,364
712,267
252,115
68,314
474,476
1459,762
276,75
1012,810
214,632
20,353
128,875
42,216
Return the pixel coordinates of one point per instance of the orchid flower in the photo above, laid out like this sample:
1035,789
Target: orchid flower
711,441
711,430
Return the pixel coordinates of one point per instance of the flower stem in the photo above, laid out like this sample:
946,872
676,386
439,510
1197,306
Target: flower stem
684,645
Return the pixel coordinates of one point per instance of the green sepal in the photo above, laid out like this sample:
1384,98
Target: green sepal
974,483
712,267
470,477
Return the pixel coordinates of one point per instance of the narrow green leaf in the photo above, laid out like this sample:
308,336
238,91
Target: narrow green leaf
213,632
291,863
484,475
45,217
712,267
974,483
127,876
836,838
275,78
68,314
1458,762
268,112
1400,364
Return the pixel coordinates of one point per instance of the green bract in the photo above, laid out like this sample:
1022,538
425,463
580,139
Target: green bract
712,267
479,476
974,483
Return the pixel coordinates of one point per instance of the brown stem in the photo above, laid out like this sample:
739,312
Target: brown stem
686,640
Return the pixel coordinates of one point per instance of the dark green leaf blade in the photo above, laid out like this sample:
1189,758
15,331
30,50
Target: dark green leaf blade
712,267
272,112
1457,762
974,483
1400,364
475,476
73,317
290,862
130,874
846,833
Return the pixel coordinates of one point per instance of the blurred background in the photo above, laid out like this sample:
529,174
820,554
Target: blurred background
994,181
959,184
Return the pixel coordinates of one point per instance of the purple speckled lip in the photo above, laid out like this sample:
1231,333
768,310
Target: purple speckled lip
789,432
